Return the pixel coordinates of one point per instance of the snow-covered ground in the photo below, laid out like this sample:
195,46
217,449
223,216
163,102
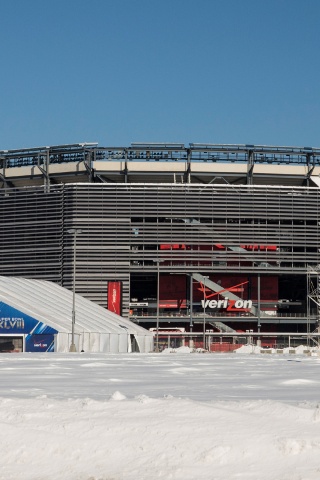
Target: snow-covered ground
175,415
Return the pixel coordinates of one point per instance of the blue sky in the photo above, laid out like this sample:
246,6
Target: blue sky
122,71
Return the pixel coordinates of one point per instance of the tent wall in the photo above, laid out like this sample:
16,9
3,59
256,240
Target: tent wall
145,343
61,342
103,342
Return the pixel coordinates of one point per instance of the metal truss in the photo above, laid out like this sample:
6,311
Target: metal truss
87,154
163,151
313,297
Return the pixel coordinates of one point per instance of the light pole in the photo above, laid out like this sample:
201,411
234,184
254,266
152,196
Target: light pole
259,312
75,232
204,311
157,261
191,309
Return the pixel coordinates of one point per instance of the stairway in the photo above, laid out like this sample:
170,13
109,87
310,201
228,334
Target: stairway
222,327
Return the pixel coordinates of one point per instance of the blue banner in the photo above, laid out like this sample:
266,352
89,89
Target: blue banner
14,321
39,343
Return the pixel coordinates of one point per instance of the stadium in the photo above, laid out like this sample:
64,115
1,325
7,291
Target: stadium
219,240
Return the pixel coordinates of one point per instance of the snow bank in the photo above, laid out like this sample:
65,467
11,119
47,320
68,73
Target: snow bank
299,350
141,417
178,350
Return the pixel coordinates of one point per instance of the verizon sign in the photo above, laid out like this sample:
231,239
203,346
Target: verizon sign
228,304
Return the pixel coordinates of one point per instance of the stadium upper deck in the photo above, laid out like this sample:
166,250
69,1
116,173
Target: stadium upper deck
161,163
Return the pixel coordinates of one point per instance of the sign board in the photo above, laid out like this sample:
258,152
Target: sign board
228,304
40,343
14,321
115,297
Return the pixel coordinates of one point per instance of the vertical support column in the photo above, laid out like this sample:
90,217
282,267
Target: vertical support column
158,307
318,300
158,261
250,167
126,166
204,310
310,167
308,307
259,310
188,165
88,158
74,232
3,166
191,310
44,169
47,178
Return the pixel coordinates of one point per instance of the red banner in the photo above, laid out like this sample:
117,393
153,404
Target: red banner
115,297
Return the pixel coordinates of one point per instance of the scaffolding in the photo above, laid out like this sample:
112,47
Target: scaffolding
313,298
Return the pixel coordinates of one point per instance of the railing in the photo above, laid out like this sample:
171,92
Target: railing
165,153
209,316
224,342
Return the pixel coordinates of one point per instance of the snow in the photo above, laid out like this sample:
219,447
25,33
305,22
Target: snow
176,415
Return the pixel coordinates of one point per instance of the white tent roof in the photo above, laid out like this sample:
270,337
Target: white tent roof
51,304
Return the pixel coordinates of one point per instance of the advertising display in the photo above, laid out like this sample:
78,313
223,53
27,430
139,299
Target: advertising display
40,343
229,305
39,337
115,297
231,294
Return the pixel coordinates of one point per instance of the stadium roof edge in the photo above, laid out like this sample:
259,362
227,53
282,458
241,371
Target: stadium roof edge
51,147
170,146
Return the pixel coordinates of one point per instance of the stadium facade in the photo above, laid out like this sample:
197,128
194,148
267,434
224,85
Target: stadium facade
222,235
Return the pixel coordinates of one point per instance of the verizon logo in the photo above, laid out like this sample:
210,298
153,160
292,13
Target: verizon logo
228,304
